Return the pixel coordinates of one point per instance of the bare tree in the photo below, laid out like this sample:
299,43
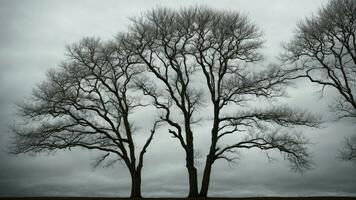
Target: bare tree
87,103
162,39
348,152
182,47
226,42
324,51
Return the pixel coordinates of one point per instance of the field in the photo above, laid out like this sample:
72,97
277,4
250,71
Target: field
249,198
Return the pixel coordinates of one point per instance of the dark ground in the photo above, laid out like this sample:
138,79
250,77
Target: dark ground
249,198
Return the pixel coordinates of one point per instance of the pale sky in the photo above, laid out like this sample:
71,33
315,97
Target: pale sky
33,36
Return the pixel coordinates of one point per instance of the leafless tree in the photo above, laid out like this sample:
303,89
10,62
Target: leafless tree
162,40
182,47
348,152
87,103
324,51
226,42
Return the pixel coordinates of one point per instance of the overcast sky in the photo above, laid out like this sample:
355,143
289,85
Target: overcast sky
33,35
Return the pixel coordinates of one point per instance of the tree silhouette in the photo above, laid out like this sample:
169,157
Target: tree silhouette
180,48
324,51
87,102
183,61
160,40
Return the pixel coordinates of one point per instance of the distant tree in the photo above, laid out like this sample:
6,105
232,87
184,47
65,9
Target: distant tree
348,152
324,51
199,52
87,103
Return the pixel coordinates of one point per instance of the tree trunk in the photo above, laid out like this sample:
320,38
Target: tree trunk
193,179
189,150
210,158
206,177
135,184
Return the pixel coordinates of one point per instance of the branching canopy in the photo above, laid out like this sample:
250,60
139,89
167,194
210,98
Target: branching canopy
324,51
85,103
185,46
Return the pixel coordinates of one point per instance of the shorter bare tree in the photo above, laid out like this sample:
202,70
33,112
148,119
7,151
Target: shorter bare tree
324,51
86,103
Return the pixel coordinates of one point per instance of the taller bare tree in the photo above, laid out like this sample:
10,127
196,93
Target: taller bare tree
323,50
162,40
87,103
182,48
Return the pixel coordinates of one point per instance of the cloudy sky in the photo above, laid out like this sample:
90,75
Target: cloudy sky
33,35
